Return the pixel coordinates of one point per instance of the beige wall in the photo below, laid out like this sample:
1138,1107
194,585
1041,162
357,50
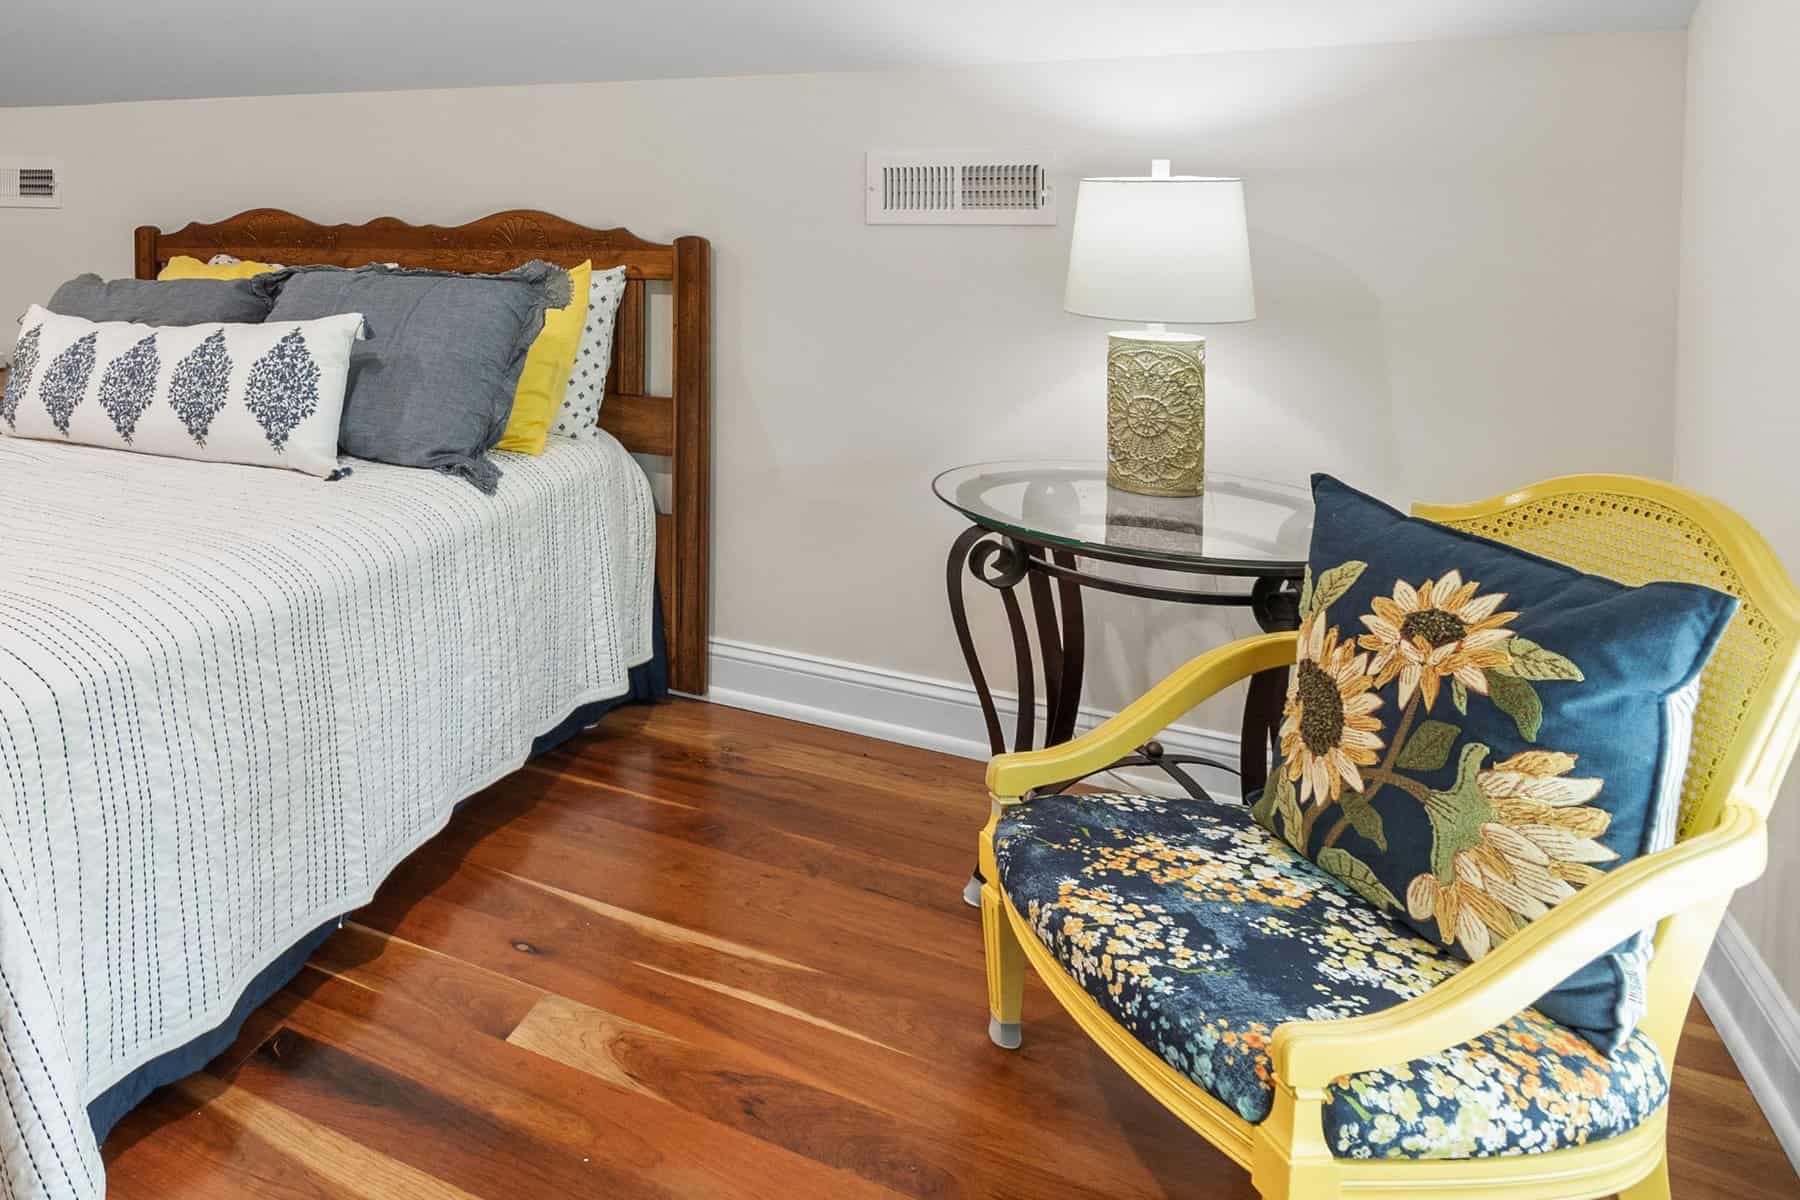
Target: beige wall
1466,257
1738,417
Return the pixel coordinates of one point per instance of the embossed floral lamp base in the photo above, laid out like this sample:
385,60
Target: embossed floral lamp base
1156,412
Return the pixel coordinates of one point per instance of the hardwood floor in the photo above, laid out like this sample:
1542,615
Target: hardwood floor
702,953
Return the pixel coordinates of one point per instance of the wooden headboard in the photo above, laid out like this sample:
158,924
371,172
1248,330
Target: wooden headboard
677,426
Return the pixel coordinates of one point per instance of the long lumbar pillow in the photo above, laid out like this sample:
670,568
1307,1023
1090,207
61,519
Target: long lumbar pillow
268,395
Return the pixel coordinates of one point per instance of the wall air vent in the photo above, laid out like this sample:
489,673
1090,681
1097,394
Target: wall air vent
30,183
937,187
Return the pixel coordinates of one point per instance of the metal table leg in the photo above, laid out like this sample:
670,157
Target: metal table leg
1057,612
1054,583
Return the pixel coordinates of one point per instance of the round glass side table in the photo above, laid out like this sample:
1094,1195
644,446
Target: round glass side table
1057,528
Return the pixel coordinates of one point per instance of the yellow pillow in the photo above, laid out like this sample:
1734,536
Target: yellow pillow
548,366
184,267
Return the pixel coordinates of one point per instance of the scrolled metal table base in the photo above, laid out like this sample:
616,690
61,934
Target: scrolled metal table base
1054,578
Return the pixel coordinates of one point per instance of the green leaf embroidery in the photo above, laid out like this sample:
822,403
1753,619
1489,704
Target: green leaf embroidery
1459,696
1429,746
1293,824
1532,661
1263,811
1306,594
1518,700
1358,876
1277,800
1458,813
1364,819
1334,583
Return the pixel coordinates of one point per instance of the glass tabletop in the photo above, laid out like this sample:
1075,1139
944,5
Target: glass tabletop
1240,525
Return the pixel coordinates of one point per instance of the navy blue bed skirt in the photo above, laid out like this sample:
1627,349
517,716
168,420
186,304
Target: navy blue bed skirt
649,682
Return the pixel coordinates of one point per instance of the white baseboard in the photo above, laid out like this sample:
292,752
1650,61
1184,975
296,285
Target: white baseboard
932,713
1760,1026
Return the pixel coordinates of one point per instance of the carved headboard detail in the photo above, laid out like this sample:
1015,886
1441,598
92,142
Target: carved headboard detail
677,426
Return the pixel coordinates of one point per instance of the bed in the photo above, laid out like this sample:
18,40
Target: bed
232,699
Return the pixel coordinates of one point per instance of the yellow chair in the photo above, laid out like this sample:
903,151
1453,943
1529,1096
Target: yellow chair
1628,529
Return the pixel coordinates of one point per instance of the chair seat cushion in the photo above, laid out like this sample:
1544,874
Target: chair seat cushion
1200,932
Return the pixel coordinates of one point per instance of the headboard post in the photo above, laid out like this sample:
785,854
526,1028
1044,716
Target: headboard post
144,265
687,634
678,426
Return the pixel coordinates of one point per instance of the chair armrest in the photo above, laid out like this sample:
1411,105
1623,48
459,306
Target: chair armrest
1511,977
1010,776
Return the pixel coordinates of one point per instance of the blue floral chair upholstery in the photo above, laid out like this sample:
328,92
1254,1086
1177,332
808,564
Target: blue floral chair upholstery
1200,932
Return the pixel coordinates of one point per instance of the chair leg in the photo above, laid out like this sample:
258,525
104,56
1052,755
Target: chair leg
1654,1186
1005,971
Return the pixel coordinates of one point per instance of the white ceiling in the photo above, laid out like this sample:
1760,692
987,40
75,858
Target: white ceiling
88,51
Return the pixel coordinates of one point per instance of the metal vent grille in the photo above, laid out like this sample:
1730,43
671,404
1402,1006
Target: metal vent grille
934,187
33,184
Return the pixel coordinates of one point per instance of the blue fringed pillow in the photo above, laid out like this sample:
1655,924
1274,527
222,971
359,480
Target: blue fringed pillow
1473,733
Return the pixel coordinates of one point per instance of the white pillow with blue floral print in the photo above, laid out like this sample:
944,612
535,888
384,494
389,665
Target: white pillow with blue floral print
268,395
578,416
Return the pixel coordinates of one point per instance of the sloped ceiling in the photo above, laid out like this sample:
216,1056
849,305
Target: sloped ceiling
92,51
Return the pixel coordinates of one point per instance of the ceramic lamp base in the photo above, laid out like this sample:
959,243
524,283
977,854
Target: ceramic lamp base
1156,412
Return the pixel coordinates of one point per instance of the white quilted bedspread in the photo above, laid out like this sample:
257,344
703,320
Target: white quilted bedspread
232,699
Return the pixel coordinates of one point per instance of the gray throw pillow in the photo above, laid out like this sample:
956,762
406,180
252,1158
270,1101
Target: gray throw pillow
433,384
162,301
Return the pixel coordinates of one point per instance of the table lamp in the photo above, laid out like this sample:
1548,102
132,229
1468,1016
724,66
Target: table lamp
1158,249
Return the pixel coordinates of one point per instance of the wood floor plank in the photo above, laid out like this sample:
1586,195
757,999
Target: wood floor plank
479,1138
953,1074
909,1158
352,1169
779,1007
587,1039
718,732
202,1138
566,808
487,1001
654,927
729,898
703,953
950,1072
801,807
912,990
491,1108
916,1004
787,761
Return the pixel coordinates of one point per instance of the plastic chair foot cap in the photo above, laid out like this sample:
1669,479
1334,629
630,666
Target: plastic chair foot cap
972,892
1004,1034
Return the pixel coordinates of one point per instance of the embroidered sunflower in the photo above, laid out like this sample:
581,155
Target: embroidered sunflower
1521,842
1441,630
1327,730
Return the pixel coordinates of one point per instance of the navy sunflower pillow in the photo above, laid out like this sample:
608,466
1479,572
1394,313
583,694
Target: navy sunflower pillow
1473,733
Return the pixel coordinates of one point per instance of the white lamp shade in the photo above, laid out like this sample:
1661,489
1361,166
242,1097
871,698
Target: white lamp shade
1172,249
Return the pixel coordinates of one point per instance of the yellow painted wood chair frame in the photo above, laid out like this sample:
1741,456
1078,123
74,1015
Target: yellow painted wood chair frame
1746,728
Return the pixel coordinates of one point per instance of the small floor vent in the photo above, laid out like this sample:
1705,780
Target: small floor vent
934,187
32,183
